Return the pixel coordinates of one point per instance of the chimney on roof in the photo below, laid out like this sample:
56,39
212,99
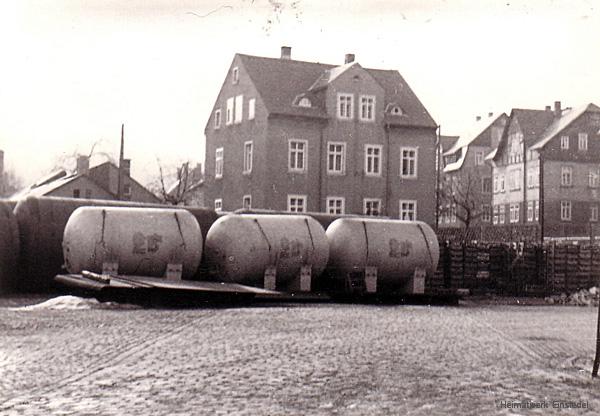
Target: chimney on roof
286,52
477,118
548,108
83,165
126,167
490,114
557,109
349,58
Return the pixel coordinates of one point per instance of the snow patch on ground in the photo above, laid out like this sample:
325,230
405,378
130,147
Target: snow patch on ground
69,302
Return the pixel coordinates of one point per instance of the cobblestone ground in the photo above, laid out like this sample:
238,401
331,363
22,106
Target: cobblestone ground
320,359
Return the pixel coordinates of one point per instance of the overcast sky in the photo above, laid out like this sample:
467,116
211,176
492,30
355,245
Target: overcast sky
72,71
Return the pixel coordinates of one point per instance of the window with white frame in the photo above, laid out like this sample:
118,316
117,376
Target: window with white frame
219,162
335,204
235,75
239,109
533,177
486,213
247,157
218,118
453,213
479,157
297,155
501,214
345,106
229,112
536,210
514,213
297,203
583,141
593,178
408,162
247,202
218,205
501,180
336,158
408,210
367,107
373,159
566,176
495,215
530,211
496,184
486,185
593,213
564,142
372,206
565,210
251,108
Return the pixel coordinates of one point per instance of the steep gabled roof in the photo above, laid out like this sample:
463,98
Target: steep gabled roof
280,81
533,123
472,133
568,116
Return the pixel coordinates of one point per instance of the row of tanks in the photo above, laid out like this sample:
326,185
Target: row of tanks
289,253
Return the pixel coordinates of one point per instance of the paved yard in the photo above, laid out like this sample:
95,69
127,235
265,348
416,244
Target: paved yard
319,359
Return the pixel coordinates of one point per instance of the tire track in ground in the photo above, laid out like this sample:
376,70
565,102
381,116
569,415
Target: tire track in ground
105,362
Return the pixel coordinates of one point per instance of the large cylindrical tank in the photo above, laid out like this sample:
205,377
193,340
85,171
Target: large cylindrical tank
322,218
395,248
240,248
42,222
141,241
9,248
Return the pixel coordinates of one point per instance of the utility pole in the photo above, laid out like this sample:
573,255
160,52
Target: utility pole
120,177
438,157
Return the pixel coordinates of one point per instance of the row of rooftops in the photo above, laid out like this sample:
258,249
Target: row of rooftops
538,127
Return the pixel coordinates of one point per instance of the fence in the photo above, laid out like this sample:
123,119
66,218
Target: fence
526,269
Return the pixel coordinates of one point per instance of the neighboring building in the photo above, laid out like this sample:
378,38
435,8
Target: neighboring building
99,182
302,136
546,171
466,184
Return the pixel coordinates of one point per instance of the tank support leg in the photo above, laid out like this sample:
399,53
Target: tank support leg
270,278
110,268
174,271
371,279
305,278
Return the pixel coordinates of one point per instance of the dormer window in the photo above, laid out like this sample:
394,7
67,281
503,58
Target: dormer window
235,75
394,109
304,102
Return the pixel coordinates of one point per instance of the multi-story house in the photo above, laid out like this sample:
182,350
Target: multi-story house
303,136
546,171
466,184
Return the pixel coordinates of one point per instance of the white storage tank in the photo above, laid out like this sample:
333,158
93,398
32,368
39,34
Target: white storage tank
382,254
283,252
133,241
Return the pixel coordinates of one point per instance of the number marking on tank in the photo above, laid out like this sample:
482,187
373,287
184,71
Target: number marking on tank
143,244
399,248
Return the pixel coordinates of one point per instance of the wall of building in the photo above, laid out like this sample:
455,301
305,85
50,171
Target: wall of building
421,188
83,186
234,184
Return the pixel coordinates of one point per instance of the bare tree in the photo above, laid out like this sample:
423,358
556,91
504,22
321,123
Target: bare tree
461,197
68,160
175,186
